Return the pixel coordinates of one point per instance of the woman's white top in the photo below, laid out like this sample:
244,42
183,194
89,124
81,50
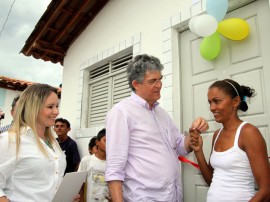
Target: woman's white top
32,177
232,178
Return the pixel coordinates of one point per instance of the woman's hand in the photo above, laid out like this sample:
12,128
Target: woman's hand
195,140
109,198
77,198
4,199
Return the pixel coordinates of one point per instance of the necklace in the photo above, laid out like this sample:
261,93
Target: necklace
47,142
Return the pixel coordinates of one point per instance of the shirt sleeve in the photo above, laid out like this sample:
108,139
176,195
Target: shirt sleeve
7,161
83,163
117,144
180,140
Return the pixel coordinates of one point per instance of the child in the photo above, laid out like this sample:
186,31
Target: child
97,189
92,148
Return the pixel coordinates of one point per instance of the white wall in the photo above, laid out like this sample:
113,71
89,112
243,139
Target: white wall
118,20
9,96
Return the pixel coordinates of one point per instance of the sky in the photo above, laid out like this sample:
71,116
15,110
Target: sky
21,21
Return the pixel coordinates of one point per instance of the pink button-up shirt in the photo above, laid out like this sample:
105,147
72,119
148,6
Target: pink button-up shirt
142,147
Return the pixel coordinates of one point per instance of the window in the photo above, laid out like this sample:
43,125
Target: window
107,86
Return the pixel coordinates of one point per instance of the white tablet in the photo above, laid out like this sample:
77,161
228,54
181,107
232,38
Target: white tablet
70,186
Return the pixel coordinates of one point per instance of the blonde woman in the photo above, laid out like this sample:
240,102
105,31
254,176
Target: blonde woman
32,164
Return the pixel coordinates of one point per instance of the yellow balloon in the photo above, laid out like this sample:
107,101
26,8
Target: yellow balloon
233,28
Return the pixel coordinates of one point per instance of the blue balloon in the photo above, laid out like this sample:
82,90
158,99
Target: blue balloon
217,8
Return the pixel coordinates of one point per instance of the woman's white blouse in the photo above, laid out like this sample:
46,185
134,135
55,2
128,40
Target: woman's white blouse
32,176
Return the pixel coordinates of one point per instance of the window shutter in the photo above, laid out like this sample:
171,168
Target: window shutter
107,86
100,71
98,101
121,88
121,62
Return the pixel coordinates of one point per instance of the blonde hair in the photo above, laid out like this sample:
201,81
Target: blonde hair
30,104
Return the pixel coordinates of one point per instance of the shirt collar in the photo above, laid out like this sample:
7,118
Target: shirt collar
139,100
25,129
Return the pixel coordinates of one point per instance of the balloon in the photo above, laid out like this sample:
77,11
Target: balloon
210,46
234,28
191,24
203,25
217,8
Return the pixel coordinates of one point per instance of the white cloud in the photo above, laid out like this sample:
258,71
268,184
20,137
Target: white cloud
21,22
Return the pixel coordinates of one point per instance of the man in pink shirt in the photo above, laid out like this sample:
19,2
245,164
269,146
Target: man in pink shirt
143,143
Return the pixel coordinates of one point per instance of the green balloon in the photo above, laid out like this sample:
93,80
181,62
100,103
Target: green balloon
210,46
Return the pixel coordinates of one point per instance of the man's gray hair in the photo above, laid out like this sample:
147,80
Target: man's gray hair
140,64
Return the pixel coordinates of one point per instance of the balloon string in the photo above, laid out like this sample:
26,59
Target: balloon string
185,160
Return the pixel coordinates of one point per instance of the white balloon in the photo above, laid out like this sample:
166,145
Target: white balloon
191,24
205,25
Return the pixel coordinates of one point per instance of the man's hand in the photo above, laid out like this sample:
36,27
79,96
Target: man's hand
200,125
194,140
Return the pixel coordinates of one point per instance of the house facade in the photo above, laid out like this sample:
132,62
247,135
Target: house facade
6,98
94,68
9,89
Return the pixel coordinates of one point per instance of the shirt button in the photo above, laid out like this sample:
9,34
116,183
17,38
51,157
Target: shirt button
55,157
56,172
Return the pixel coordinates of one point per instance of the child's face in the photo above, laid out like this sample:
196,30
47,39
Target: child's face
93,150
101,144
